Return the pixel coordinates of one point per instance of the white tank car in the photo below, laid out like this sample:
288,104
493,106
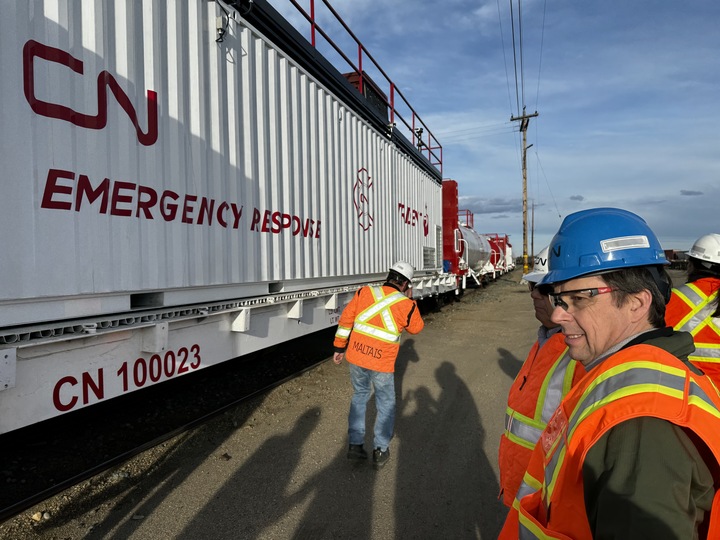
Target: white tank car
476,250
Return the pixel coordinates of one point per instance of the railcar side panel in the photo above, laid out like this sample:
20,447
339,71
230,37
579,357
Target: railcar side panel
146,157
171,202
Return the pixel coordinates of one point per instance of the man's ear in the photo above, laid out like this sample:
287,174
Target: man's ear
639,305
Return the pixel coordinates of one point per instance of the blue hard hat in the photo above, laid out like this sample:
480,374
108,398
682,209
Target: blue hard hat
601,240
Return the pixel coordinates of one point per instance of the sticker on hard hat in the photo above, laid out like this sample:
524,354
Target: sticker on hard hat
624,242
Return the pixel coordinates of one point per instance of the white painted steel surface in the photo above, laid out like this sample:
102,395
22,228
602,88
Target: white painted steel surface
509,258
253,179
170,202
58,377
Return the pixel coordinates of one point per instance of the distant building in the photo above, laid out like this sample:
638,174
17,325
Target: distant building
678,259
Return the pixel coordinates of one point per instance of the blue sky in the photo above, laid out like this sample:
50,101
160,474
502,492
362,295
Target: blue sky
627,94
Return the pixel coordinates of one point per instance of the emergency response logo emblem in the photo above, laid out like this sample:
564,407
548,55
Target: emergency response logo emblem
361,199
555,432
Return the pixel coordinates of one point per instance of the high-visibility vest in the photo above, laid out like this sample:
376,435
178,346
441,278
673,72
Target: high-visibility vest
690,309
544,379
371,324
641,380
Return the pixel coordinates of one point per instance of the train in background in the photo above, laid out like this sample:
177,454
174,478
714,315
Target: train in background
468,254
194,186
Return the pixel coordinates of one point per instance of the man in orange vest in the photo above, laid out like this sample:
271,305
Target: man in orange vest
633,450
695,306
545,377
368,336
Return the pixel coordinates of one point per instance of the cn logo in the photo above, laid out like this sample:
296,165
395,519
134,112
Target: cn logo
361,200
105,80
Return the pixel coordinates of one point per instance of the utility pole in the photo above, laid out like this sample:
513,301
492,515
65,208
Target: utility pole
532,232
524,121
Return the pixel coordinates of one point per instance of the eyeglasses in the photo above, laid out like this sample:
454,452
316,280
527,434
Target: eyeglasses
543,289
577,299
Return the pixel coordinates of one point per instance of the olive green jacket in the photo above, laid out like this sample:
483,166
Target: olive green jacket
646,478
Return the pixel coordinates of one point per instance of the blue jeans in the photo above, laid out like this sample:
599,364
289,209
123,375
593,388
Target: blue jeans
384,385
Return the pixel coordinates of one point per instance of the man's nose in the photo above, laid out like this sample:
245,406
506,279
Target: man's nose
559,315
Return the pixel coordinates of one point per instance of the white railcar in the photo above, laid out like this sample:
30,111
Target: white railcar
172,200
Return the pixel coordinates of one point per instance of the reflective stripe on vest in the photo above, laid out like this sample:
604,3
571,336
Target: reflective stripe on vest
626,387
389,333
342,332
527,530
706,352
530,531
528,486
526,431
621,381
700,316
698,302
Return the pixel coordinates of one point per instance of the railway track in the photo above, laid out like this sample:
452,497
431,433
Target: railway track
45,459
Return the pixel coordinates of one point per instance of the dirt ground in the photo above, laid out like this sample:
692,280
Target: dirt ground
275,468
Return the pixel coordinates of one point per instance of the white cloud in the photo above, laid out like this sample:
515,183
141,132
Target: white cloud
626,98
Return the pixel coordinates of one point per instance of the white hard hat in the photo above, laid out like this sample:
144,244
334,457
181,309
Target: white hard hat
404,269
540,268
706,249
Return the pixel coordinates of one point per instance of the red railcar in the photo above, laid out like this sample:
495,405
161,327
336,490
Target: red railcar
466,253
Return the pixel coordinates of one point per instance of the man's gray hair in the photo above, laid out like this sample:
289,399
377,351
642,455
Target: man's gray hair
633,280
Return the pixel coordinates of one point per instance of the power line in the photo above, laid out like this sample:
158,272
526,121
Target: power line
474,134
522,62
474,128
542,42
512,26
548,184
502,40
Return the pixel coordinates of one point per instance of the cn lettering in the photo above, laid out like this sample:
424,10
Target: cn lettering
71,392
105,80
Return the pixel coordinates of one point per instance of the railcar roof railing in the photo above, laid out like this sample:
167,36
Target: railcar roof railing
399,108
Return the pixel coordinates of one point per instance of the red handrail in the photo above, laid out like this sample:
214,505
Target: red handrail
416,128
467,217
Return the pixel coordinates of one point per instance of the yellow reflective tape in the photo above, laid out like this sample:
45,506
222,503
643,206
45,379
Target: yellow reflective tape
379,305
532,529
695,305
342,332
580,414
625,391
711,324
697,401
376,333
520,441
389,321
531,481
525,419
522,430
389,333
